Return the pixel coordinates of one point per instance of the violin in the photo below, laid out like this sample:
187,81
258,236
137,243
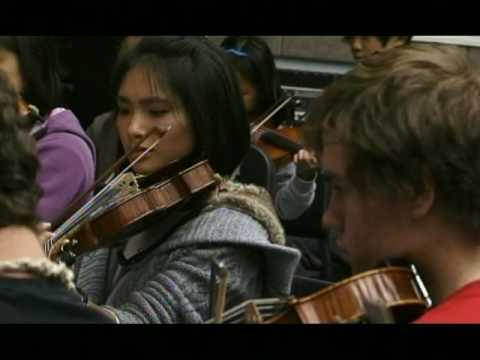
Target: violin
384,295
107,217
281,143
348,301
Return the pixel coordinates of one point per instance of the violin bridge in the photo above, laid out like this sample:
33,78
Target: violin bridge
127,185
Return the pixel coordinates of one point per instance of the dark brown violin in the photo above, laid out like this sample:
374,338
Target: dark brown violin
394,288
280,144
129,212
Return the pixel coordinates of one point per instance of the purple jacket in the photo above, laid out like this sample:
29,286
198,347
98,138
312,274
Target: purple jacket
67,164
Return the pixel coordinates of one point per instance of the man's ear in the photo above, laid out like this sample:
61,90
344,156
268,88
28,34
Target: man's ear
424,201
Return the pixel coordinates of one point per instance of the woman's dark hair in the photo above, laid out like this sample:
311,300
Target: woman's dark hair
253,59
39,67
19,191
198,74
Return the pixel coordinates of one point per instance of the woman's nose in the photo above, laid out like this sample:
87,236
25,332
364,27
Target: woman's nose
137,127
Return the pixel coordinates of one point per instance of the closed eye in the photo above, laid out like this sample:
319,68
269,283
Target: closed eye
123,111
158,113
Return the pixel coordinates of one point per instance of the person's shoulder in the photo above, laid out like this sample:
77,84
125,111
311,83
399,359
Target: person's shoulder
65,136
230,218
63,121
247,197
64,145
463,306
45,301
222,224
58,116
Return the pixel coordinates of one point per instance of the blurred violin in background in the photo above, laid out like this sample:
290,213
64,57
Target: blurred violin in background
283,144
279,143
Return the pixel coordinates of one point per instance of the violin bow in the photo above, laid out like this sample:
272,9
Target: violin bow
271,114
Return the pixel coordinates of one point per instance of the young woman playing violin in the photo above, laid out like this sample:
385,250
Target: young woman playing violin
295,186
185,89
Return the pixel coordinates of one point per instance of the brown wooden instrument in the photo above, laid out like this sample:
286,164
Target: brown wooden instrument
131,213
347,301
159,197
281,143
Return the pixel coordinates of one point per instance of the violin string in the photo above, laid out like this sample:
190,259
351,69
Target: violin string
86,209
268,117
277,103
79,216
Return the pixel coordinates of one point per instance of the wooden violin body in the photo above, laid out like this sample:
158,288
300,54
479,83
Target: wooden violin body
139,207
346,301
133,212
280,144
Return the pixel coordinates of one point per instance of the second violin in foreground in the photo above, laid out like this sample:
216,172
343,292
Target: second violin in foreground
389,294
